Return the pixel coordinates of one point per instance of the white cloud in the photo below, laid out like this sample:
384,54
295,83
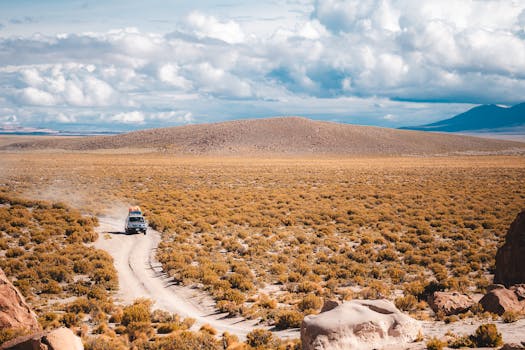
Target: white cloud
135,117
217,81
141,117
169,73
35,96
208,26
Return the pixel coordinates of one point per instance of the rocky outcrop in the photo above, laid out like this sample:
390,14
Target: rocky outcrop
358,324
58,339
62,339
450,303
499,299
26,342
509,258
14,312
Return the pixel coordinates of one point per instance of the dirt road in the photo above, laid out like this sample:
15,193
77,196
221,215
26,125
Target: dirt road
141,276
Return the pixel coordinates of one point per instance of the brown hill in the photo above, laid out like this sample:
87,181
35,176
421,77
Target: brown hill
284,136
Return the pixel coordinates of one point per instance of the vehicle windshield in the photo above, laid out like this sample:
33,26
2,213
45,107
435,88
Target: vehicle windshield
136,219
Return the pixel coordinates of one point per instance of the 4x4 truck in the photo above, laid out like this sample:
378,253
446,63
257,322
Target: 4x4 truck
135,222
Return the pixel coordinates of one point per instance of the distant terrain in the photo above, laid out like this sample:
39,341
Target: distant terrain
281,136
485,118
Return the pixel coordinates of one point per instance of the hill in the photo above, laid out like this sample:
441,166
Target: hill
481,118
281,136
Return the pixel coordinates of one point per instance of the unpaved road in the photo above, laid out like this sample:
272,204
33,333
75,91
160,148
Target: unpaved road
141,276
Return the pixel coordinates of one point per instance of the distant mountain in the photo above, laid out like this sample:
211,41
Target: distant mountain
482,118
279,136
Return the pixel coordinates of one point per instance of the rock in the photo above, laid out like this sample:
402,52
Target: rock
512,346
57,339
519,290
358,324
509,258
14,312
26,342
329,305
450,303
62,339
500,300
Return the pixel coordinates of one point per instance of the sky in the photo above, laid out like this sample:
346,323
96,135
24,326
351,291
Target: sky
123,65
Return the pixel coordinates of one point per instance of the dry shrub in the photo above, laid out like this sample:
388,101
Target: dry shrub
259,338
435,344
138,312
289,319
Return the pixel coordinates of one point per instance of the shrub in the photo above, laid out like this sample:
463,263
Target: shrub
103,342
435,344
406,303
139,330
165,328
510,316
289,319
310,302
487,335
7,334
70,319
259,337
138,312
208,329
461,342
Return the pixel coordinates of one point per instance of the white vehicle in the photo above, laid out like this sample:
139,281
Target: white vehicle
135,222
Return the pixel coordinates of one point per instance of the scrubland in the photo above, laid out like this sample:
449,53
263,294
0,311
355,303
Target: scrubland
267,238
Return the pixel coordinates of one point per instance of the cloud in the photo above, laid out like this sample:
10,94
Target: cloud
210,27
402,51
169,73
35,96
135,117
141,117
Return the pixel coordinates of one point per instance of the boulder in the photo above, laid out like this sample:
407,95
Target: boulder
26,342
14,312
62,339
450,303
358,324
509,257
499,299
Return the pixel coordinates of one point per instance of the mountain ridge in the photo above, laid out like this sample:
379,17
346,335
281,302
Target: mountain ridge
279,136
480,118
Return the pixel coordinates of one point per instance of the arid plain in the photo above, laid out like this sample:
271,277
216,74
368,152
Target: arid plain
262,239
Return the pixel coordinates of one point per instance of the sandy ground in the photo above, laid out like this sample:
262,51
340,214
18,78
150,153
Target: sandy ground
141,276
511,332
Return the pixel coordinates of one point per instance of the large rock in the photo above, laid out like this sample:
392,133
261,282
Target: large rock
62,339
509,258
26,342
358,324
57,339
499,299
450,303
14,312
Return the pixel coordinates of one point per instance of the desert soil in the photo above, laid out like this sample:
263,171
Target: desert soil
141,276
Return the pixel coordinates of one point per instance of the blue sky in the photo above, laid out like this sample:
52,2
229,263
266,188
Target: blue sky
120,65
